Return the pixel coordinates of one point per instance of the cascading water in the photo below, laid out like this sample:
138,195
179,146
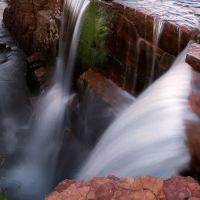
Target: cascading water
35,173
179,39
148,138
157,31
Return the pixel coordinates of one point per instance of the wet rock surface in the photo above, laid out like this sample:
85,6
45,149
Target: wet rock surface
33,24
139,26
144,187
117,98
193,56
36,28
38,76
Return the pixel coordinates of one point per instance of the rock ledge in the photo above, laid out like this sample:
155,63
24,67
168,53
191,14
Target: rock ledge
113,188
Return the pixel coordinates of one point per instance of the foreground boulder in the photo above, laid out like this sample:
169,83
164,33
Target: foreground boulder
144,187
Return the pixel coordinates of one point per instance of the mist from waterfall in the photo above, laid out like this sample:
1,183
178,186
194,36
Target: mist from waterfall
149,137
34,173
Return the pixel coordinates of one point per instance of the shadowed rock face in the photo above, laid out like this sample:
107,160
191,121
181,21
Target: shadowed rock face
145,187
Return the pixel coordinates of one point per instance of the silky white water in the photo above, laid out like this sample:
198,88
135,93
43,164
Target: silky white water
149,137
32,178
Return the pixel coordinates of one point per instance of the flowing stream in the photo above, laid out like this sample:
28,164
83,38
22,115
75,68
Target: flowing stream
149,137
32,178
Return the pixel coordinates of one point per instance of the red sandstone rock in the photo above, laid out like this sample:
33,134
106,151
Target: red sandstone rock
32,24
192,127
193,56
140,188
106,89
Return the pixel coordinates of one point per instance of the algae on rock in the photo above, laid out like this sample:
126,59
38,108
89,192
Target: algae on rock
92,46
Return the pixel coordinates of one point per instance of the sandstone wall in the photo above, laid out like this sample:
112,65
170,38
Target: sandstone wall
114,36
33,23
140,188
128,49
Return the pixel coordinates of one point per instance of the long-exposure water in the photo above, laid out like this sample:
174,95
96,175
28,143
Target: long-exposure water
148,138
35,171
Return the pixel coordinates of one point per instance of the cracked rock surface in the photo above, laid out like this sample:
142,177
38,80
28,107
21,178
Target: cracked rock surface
140,188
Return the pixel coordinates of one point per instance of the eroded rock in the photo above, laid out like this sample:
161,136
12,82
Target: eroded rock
32,24
111,188
117,98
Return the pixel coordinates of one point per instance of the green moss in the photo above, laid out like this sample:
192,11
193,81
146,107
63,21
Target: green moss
2,197
92,46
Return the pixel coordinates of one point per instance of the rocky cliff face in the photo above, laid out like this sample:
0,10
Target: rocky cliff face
34,23
119,37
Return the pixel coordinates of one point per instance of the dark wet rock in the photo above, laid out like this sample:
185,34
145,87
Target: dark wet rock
7,49
144,187
39,78
2,46
36,60
43,77
166,61
37,56
193,56
38,75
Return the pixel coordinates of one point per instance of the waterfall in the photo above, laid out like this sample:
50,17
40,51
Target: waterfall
35,173
149,137
157,31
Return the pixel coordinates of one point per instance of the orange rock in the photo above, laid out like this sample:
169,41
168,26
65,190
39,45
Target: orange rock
193,56
140,188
